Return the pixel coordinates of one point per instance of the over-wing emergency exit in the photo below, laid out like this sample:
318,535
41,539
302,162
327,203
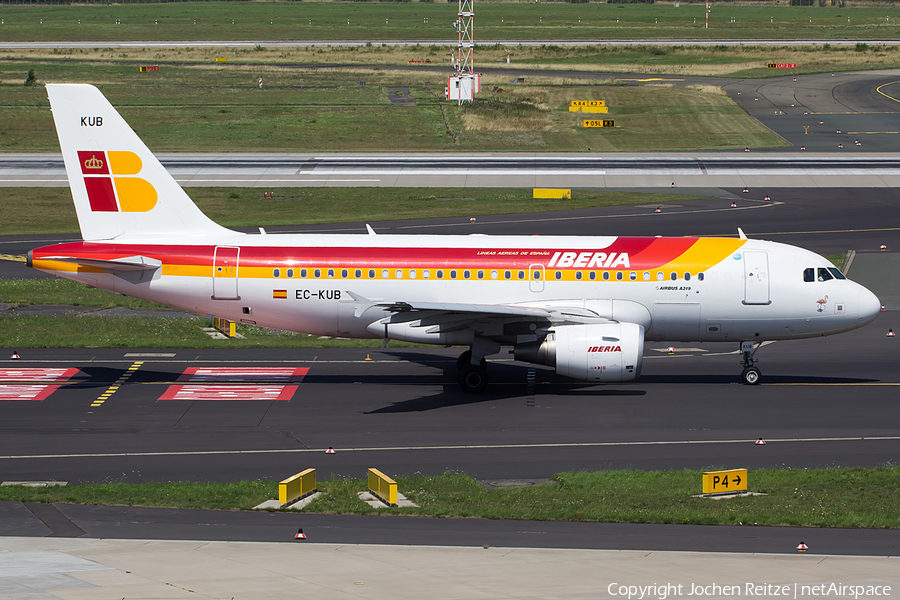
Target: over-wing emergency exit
583,305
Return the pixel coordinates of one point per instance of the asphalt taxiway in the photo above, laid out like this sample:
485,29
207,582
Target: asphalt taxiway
823,402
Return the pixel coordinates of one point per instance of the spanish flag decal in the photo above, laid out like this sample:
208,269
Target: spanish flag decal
279,293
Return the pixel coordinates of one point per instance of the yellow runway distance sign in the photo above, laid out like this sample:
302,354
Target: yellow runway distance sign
719,482
599,123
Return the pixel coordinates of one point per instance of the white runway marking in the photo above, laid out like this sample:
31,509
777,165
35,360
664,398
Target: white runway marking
455,447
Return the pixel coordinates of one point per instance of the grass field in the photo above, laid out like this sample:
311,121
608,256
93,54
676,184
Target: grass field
847,497
272,21
214,108
50,210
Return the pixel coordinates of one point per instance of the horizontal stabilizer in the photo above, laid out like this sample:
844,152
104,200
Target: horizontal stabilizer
118,265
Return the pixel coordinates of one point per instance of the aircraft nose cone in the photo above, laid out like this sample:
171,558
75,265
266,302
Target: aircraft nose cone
869,306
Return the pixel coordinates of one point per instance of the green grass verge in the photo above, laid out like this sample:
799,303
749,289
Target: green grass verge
205,107
393,21
50,210
850,497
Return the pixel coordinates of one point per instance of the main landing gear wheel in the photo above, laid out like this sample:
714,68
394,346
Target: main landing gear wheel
750,376
472,378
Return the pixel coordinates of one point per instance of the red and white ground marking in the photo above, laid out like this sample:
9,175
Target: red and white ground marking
244,374
37,374
26,392
32,392
229,392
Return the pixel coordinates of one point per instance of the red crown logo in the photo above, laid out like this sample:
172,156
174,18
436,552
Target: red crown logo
93,163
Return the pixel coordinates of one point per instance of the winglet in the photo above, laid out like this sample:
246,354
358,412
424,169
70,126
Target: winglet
370,230
741,234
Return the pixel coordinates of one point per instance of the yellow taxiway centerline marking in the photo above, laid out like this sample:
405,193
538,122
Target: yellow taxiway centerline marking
878,89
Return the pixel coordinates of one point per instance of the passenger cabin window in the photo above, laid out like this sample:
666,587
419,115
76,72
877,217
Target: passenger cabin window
371,273
344,273
426,274
330,273
559,274
440,274
824,275
317,273
412,273
837,273
687,276
358,273
385,274
593,275
578,275
277,273
809,275
303,273
290,273
521,274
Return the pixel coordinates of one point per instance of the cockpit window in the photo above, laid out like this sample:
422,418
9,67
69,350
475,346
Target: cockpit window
824,275
809,275
836,272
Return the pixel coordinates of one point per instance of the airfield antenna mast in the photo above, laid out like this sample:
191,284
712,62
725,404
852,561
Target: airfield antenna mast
465,82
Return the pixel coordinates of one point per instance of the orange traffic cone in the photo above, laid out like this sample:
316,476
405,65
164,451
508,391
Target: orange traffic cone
300,535
802,547
670,350
673,184
471,219
746,191
840,145
15,355
746,149
760,442
657,209
330,450
890,333
767,198
734,205
803,147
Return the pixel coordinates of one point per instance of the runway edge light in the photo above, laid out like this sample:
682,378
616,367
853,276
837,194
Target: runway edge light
760,442
801,547
330,450
15,355
890,333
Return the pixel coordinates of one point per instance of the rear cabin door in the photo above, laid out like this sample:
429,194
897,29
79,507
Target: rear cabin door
756,278
225,273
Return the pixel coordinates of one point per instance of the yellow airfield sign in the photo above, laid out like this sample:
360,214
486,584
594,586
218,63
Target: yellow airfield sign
719,482
599,123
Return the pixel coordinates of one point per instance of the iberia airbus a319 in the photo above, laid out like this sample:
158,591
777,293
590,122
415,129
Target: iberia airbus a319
583,305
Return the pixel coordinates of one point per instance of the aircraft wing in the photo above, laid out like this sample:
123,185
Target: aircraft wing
454,314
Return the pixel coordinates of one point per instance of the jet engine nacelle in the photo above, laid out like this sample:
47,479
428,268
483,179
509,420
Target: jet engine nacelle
610,352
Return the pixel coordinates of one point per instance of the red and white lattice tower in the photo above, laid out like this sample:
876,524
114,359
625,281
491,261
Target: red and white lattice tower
463,85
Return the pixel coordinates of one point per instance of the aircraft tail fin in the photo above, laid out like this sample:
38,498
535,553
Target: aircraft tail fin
119,187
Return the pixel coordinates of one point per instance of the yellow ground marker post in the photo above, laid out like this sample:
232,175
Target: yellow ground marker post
725,482
383,486
225,326
119,382
297,486
551,193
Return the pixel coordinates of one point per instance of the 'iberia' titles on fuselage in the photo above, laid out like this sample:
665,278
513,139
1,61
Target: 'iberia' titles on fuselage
689,289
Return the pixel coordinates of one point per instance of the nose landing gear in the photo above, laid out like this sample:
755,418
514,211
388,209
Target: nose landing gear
750,375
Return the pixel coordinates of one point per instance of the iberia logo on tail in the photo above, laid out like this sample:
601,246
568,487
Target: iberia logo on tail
109,178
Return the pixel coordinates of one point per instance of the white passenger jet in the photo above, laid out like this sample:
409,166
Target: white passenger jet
583,305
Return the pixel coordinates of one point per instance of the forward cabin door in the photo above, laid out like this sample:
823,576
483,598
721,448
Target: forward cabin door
225,273
756,278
